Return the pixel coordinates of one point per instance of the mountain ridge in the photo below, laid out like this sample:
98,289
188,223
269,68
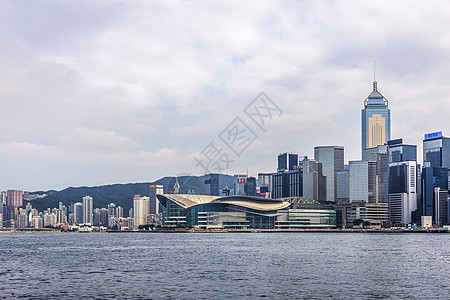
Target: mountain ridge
122,193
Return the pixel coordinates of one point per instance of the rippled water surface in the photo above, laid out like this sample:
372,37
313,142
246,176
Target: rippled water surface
224,266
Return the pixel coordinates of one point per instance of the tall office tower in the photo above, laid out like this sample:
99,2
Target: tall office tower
239,184
362,182
87,210
141,208
314,183
22,220
155,206
119,212
59,216
14,198
342,186
103,217
440,206
3,197
250,186
265,182
432,177
401,152
287,161
71,209
402,191
403,181
332,160
96,217
212,185
436,150
280,185
375,120
78,213
295,182
111,210
435,172
380,155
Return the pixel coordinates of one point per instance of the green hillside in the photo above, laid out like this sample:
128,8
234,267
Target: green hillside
120,194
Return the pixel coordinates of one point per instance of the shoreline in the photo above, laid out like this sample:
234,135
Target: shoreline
386,231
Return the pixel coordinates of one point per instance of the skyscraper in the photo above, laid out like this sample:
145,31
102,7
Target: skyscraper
314,183
402,191
14,198
103,218
287,161
435,174
265,182
436,150
87,210
155,206
403,182
239,184
332,160
401,152
375,120
432,177
141,208
362,181
78,213
111,210
119,212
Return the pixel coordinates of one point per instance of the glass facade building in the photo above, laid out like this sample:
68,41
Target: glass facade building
287,161
402,191
362,182
401,152
206,211
432,177
435,175
332,160
314,183
342,186
306,218
375,120
436,150
288,184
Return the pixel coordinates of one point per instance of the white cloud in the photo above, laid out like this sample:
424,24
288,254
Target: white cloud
130,88
84,139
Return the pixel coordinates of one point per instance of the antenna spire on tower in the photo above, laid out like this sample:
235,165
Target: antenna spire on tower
374,75
374,70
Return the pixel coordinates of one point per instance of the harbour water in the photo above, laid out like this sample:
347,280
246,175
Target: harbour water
224,266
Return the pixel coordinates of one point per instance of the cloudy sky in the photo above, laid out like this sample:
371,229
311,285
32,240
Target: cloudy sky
102,92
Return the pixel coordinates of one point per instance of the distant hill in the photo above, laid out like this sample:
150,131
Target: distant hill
122,194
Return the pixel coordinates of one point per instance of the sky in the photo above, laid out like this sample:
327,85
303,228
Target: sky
104,92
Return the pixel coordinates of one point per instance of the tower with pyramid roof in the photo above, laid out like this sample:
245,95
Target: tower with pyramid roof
176,187
375,120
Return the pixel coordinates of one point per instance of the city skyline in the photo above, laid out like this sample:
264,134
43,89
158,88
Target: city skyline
132,97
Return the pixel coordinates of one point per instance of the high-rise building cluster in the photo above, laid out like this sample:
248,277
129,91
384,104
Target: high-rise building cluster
387,186
146,211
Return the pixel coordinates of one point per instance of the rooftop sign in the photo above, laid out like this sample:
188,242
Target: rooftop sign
433,135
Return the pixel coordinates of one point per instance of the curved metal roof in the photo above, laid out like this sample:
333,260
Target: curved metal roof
187,201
